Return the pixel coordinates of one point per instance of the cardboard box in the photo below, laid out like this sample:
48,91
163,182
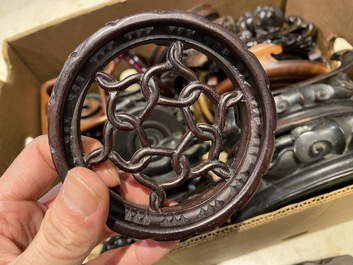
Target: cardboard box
39,56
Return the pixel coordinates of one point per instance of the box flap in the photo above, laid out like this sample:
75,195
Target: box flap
46,50
19,108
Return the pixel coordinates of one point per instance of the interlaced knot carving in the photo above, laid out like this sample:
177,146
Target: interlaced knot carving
194,131
250,107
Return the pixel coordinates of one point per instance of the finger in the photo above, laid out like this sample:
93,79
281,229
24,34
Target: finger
144,252
50,196
73,225
132,191
106,170
33,172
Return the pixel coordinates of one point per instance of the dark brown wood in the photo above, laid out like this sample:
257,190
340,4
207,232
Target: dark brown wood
282,71
251,101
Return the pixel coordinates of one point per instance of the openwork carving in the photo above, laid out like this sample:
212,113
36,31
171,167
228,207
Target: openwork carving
268,25
235,179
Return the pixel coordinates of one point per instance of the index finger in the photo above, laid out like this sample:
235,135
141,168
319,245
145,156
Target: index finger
33,172
30,174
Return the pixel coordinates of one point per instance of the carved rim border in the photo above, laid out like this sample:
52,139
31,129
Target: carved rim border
217,205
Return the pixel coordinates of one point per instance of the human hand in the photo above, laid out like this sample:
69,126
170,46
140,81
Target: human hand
66,224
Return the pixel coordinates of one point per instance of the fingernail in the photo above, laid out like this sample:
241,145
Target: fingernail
78,195
50,195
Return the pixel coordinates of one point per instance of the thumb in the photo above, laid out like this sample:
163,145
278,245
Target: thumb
74,224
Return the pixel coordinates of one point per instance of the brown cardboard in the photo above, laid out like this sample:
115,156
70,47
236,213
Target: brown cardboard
19,113
238,239
37,56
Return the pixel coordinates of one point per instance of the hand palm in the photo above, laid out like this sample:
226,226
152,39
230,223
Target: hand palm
20,221
22,216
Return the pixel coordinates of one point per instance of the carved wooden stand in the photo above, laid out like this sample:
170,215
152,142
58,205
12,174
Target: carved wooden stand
250,101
